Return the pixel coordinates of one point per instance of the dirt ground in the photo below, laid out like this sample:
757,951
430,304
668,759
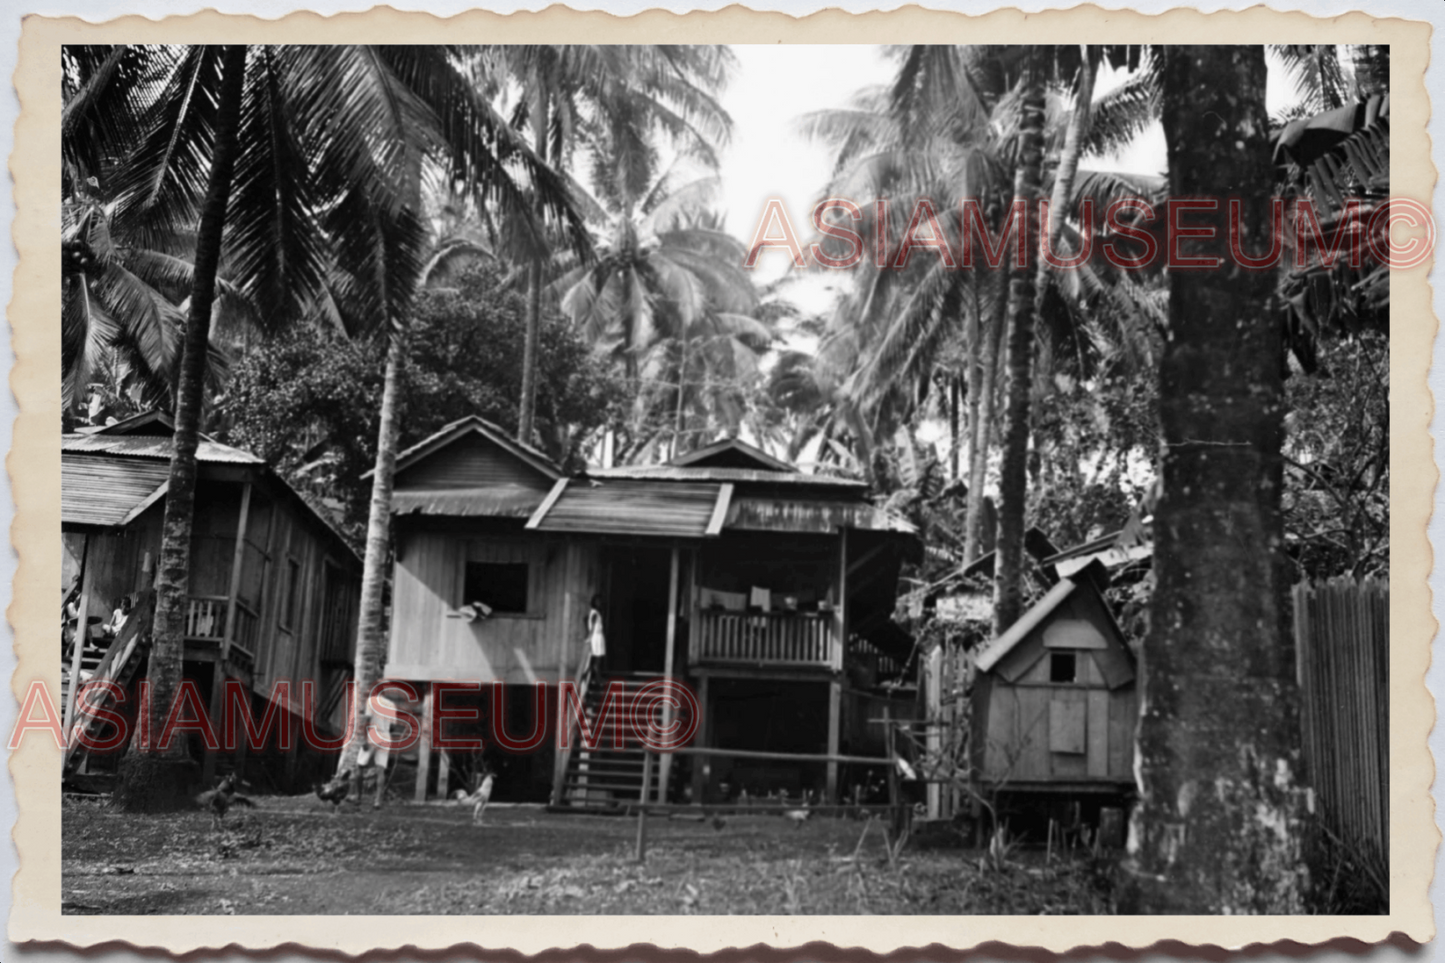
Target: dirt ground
293,855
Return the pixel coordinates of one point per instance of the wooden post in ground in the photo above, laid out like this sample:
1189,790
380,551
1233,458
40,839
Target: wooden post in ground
669,661
835,693
423,748
642,807
701,768
444,773
933,734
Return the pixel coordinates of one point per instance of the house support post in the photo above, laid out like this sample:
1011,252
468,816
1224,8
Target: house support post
423,747
665,760
835,700
218,668
82,637
701,766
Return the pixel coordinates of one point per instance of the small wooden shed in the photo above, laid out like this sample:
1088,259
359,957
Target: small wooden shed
273,586
1054,701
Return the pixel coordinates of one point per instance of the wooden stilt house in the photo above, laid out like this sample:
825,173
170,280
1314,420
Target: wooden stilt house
273,586
768,590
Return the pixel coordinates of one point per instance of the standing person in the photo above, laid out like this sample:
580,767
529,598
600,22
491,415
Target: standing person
596,638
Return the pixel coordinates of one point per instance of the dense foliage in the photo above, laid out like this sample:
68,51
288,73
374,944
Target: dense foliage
309,401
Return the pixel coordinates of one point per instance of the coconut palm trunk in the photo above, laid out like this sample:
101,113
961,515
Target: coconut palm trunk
527,410
153,781
1013,481
981,427
1218,824
370,632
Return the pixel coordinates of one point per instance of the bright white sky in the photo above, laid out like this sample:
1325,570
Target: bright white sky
775,85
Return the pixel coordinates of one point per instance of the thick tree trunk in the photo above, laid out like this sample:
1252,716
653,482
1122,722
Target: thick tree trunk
1013,481
981,425
370,632
1218,824
527,409
152,781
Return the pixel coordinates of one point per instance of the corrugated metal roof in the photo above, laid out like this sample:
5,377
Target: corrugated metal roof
629,507
450,432
737,449
786,515
673,473
99,490
504,501
154,446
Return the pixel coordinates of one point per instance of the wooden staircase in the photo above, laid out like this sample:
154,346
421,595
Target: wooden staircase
117,662
604,779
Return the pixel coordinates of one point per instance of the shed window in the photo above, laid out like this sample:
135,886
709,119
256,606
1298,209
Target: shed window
1063,667
502,586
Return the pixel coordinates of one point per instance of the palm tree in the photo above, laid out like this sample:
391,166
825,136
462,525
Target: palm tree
298,160
665,275
1218,824
628,92
951,126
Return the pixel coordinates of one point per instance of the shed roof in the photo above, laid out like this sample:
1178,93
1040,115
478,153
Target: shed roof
993,653
630,507
475,424
103,490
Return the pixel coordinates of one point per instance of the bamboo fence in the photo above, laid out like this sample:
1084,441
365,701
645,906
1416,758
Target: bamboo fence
1342,638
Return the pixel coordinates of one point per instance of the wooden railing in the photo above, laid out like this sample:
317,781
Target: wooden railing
774,638
206,620
206,617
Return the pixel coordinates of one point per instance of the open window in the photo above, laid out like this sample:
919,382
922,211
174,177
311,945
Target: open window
501,586
1063,667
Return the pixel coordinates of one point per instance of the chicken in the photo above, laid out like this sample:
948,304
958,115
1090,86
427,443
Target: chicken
798,816
222,798
477,800
335,791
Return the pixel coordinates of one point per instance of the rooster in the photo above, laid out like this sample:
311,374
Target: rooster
477,800
222,798
335,791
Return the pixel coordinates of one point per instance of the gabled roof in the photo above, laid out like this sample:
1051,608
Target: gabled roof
109,476
1030,620
732,453
475,424
154,446
146,423
107,491
704,473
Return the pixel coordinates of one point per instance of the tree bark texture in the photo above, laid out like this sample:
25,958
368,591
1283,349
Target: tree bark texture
1218,826
1013,481
152,781
981,425
527,411
370,632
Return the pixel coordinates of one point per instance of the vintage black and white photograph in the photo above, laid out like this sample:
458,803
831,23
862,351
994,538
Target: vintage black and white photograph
757,479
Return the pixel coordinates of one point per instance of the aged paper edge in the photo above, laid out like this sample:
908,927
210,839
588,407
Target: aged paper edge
34,467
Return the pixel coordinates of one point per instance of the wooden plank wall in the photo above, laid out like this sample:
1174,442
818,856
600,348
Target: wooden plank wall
427,645
1020,716
1342,640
